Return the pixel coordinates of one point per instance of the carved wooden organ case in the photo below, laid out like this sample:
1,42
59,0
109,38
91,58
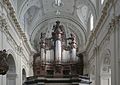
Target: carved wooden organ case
55,58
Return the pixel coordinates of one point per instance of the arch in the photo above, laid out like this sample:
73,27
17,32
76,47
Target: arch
23,76
11,62
10,51
11,74
14,3
91,7
31,15
83,13
81,34
25,6
24,67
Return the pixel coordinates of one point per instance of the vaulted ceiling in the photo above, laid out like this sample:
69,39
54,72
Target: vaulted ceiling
38,16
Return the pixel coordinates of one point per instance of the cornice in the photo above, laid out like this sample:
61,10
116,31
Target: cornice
14,45
102,18
16,23
111,27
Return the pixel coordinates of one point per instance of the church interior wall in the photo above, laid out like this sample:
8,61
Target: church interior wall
106,42
12,42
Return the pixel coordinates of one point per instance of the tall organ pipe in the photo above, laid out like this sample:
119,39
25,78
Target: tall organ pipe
73,48
58,50
57,37
42,51
73,54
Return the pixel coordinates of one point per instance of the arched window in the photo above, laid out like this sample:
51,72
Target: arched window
58,2
102,1
91,22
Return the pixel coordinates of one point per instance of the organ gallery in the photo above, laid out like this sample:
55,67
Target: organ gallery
55,58
59,42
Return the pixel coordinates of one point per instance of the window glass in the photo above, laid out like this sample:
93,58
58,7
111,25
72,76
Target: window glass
102,1
91,22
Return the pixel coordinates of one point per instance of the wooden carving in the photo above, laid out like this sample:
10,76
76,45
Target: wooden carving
3,62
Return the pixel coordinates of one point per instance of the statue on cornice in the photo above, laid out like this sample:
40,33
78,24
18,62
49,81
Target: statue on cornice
73,40
73,37
58,27
58,31
42,40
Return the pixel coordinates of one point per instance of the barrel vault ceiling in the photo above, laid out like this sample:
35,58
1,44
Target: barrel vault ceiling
37,16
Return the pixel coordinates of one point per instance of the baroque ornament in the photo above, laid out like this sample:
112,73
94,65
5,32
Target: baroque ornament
4,67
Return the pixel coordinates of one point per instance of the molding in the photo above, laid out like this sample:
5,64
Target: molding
16,23
102,18
110,26
11,75
5,28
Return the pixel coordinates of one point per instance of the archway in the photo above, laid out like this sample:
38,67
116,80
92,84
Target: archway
11,74
23,76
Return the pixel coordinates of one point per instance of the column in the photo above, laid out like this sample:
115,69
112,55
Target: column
97,81
115,54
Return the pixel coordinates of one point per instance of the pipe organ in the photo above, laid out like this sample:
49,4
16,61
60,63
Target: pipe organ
55,58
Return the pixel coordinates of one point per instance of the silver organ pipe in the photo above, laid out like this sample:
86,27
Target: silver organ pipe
58,51
73,54
49,56
42,48
43,55
57,37
65,56
56,57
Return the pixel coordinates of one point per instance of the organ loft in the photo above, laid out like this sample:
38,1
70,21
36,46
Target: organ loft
55,58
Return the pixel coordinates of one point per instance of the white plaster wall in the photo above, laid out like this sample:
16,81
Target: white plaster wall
105,41
11,41
94,51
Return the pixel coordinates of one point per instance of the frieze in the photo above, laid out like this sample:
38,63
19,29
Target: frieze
5,28
104,14
111,26
14,18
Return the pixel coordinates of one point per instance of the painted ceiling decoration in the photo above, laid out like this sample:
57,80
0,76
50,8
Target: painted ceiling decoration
37,16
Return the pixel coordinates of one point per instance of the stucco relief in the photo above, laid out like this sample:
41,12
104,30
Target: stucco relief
106,61
5,29
92,72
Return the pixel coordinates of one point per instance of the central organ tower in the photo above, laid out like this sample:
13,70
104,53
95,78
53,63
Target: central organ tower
55,57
